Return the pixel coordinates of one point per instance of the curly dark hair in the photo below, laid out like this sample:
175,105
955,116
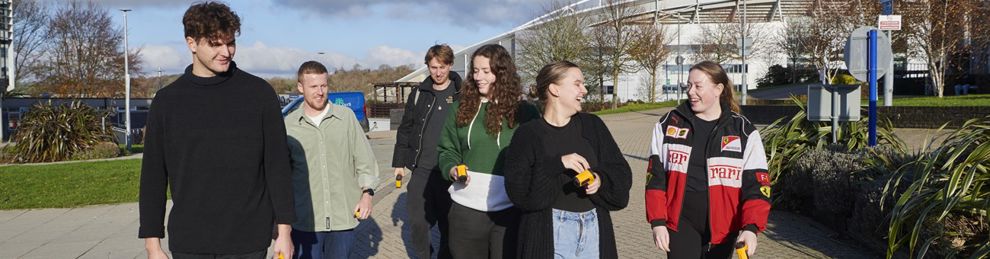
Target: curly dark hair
211,20
504,93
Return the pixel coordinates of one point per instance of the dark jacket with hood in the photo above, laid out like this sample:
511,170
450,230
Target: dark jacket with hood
419,133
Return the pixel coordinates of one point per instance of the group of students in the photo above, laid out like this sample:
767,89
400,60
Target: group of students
500,177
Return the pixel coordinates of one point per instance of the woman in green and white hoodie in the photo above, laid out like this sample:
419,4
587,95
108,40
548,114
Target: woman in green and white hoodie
480,126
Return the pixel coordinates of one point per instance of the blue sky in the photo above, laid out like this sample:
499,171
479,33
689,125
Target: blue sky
278,35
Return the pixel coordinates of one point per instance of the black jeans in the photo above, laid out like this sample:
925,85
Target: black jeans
480,234
691,240
252,255
427,204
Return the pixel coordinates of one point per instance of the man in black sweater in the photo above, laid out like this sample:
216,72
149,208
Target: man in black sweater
216,139
427,201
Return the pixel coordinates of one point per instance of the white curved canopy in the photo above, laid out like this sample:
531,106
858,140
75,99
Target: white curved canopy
660,11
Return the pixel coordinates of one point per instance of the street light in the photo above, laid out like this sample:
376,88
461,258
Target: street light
127,88
680,70
742,49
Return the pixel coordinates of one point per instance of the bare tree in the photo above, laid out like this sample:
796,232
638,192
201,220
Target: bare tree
720,42
595,66
84,53
788,40
650,49
558,36
30,26
935,27
614,38
824,39
716,42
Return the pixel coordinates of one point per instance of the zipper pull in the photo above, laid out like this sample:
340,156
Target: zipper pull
328,222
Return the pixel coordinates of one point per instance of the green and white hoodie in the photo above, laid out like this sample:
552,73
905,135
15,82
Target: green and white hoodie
481,152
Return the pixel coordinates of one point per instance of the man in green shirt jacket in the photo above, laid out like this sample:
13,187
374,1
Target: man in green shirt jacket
333,170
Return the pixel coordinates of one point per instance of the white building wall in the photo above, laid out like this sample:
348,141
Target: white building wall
632,86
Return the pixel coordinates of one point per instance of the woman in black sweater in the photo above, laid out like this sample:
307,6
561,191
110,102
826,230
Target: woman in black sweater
561,219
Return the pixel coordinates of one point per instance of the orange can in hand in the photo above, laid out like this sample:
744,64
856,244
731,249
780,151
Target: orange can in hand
461,173
584,178
741,250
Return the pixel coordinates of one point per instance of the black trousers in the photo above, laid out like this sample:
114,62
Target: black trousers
691,240
253,255
427,204
479,234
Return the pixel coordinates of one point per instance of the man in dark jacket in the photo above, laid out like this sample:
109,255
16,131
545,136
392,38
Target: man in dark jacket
427,200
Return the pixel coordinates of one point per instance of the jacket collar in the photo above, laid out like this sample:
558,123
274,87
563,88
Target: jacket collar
299,114
455,81
685,111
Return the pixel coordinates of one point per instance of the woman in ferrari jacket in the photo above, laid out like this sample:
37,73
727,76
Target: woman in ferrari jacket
707,188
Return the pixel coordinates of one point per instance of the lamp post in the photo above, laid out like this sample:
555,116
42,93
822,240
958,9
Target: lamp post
127,88
742,49
680,63
680,70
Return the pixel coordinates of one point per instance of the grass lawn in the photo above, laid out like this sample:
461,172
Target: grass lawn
69,185
638,107
965,100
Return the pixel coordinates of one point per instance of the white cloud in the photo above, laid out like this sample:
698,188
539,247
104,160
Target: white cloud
266,61
385,55
169,58
145,3
464,13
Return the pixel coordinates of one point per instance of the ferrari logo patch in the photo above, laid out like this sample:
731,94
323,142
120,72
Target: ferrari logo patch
731,143
763,178
765,190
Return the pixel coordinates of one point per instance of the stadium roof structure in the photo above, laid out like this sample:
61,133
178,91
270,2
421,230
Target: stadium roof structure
649,12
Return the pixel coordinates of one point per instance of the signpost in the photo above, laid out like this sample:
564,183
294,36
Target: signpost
887,8
868,67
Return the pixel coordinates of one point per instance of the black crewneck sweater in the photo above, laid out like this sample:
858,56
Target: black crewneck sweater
219,144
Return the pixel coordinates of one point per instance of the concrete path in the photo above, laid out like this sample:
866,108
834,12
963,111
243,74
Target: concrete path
110,231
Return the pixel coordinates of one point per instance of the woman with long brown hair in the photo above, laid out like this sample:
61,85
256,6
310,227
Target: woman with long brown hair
481,125
708,188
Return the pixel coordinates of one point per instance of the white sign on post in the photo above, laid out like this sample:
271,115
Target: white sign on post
889,23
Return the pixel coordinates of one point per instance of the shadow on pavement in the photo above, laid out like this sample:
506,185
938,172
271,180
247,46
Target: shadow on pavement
368,240
399,216
801,233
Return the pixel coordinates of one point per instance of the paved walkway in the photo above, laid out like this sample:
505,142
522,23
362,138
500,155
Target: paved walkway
109,231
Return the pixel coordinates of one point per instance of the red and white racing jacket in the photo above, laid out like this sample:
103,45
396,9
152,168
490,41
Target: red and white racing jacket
738,182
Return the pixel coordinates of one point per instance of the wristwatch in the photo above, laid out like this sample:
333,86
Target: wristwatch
369,191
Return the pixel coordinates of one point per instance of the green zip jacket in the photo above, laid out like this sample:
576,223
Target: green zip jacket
332,164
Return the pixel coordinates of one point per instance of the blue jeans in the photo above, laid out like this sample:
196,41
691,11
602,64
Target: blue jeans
320,245
575,234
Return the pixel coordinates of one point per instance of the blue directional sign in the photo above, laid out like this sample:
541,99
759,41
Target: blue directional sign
886,7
